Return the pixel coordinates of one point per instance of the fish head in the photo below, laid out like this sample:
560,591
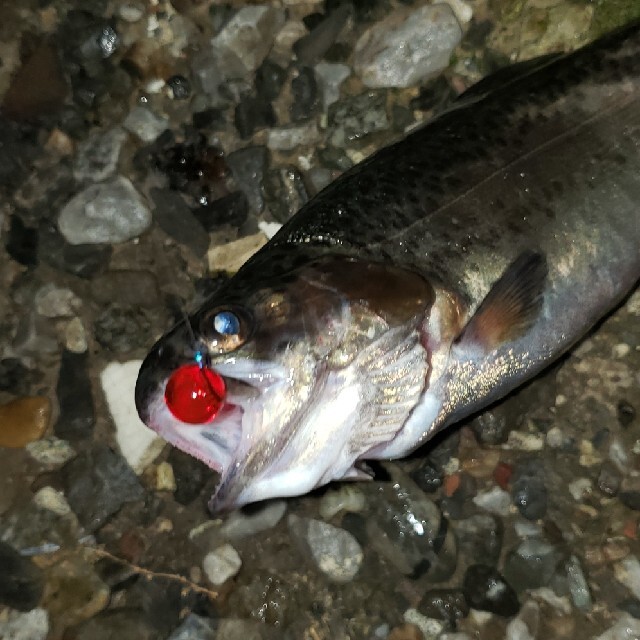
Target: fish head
293,355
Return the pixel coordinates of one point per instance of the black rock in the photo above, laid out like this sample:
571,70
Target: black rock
427,476
22,242
449,605
305,94
480,536
626,413
286,192
232,209
248,167
609,479
180,87
269,80
486,589
528,491
312,47
15,377
491,427
253,113
630,492
21,582
191,475
77,414
210,119
175,218
97,483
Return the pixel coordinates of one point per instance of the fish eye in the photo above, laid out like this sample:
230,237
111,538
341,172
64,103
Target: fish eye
225,329
226,323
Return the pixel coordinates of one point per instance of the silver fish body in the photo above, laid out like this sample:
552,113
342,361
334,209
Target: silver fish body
426,282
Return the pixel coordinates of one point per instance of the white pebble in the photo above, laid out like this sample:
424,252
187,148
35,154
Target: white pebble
221,564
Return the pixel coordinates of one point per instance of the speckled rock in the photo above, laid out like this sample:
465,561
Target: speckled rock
97,156
51,452
407,46
56,302
335,551
108,212
24,420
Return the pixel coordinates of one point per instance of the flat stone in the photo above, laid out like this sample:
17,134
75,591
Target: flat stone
335,551
288,138
50,452
56,302
109,212
231,256
137,443
77,415
221,564
407,46
97,483
246,39
97,156
24,420
145,124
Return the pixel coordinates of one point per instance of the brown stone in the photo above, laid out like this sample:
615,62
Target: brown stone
24,420
406,632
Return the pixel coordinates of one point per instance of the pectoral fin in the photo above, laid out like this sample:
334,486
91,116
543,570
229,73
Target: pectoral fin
511,306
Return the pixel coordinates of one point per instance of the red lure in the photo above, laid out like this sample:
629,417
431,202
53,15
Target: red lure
195,394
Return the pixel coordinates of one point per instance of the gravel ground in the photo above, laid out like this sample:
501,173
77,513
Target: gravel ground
146,150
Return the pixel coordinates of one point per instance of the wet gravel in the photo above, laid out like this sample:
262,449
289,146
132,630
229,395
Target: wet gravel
146,149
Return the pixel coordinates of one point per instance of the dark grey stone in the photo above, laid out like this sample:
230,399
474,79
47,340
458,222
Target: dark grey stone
75,399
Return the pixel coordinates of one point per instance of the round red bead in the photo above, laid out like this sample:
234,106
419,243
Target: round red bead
195,394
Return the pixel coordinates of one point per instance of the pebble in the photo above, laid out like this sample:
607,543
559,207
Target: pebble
479,536
526,624
176,219
288,138
24,420
269,80
77,414
98,482
487,590
122,328
304,95
578,587
626,628
145,124
494,500
531,565
21,582
269,228
253,113
431,629
165,480
14,376
407,46
232,210
52,500
580,488
356,117
190,475
629,493
231,256
347,498
285,192
609,479
97,157
448,605
195,627
180,87
50,452
627,572
244,42
528,491
248,166
523,441
75,336
56,302
32,625
109,212
330,77
313,46
221,564
405,631
243,525
335,551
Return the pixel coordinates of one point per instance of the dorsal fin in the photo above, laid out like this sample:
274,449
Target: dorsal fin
511,306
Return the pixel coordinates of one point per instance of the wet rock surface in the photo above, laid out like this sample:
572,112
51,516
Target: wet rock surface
146,151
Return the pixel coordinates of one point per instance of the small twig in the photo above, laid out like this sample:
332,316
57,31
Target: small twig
150,575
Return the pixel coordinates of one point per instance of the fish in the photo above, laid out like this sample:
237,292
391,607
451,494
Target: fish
425,283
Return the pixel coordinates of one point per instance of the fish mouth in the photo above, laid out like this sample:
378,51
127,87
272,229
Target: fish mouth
223,442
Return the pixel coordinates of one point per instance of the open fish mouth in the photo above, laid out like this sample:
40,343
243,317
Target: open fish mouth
222,442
